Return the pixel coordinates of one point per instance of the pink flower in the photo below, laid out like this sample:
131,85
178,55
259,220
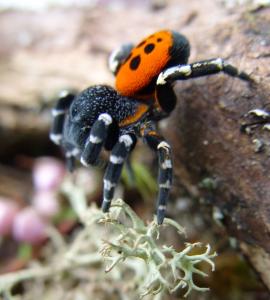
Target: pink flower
46,203
8,211
48,173
29,226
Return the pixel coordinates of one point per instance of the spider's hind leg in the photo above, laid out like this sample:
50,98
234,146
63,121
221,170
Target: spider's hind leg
201,68
118,56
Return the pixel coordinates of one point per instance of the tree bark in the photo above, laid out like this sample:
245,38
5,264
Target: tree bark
208,142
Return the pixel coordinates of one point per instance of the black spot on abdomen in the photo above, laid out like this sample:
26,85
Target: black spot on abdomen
135,62
149,48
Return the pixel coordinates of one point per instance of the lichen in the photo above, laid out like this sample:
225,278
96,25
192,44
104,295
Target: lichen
166,268
121,243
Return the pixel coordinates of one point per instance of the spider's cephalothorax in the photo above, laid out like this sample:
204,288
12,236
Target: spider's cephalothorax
103,117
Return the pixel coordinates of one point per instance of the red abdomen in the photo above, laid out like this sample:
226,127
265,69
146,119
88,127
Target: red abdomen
137,75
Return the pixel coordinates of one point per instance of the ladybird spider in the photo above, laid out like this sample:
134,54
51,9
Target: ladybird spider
101,116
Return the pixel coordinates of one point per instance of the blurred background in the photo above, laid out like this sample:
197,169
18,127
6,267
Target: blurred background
50,45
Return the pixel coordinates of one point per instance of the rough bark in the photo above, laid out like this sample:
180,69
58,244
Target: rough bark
209,144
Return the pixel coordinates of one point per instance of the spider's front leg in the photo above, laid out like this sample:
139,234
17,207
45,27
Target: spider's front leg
96,139
119,154
198,69
163,149
59,112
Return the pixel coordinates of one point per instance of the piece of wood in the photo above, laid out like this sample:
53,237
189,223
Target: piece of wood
207,141
15,184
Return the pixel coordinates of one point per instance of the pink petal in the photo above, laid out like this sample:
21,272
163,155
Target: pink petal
48,173
8,211
29,227
46,203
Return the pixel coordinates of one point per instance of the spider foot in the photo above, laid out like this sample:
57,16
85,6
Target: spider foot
258,118
164,179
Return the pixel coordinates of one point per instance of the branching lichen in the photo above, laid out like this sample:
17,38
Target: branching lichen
127,246
166,268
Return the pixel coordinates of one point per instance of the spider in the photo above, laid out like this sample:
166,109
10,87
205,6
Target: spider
103,117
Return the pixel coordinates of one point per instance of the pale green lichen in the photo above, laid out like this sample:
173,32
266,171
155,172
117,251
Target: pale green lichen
167,269
127,246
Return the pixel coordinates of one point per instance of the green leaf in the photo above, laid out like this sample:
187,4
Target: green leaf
25,251
144,180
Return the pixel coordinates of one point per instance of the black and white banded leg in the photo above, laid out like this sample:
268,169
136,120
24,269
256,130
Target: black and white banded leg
165,175
59,111
97,137
112,175
259,117
118,56
71,154
198,69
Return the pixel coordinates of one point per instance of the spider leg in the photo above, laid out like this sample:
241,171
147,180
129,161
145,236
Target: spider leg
59,112
198,69
163,149
71,153
258,117
118,56
96,140
118,156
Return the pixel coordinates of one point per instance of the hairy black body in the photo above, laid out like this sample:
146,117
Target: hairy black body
104,117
